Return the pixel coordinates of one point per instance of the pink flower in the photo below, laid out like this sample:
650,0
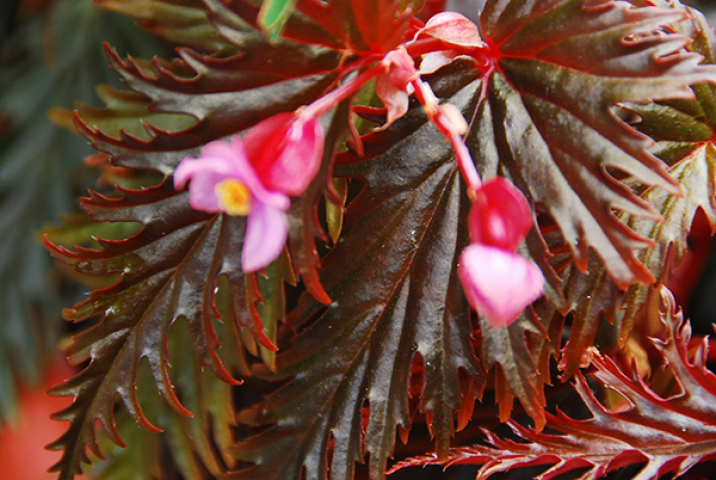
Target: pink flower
253,177
286,150
498,282
500,215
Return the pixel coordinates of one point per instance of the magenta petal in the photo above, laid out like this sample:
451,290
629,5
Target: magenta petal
300,159
285,151
266,233
498,284
500,216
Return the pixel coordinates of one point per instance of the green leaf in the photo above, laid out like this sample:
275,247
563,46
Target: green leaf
273,16
124,113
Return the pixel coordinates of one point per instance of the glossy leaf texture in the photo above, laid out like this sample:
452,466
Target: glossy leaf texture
47,62
384,302
595,294
545,119
195,448
171,267
396,302
665,430
684,131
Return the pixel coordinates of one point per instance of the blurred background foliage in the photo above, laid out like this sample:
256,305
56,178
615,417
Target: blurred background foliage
51,56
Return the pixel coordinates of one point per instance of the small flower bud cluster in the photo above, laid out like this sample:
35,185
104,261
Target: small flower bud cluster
255,175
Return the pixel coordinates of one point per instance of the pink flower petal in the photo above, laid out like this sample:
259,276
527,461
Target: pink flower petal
393,87
498,284
434,61
300,159
451,27
266,234
394,99
500,216
285,151
218,161
401,68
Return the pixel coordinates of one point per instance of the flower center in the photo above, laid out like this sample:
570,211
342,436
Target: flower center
234,197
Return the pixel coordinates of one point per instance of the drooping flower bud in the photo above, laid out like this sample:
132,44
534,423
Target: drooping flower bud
498,282
285,150
500,215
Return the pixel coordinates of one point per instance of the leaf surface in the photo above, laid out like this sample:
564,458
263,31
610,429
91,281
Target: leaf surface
667,432
182,22
684,131
395,297
545,119
45,63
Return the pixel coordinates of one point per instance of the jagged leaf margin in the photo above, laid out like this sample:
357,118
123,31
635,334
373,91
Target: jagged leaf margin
545,119
45,63
684,129
402,304
671,432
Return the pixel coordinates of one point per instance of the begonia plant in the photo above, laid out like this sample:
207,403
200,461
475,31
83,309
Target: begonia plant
357,239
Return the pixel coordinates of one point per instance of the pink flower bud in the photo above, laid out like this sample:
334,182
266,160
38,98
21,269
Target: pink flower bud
285,151
498,282
500,215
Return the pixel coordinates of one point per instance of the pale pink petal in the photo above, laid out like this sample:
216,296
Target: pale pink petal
401,68
266,233
393,87
222,164
500,216
205,172
498,284
451,27
218,161
434,61
394,99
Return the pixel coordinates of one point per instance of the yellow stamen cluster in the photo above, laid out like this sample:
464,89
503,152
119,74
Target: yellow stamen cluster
234,197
